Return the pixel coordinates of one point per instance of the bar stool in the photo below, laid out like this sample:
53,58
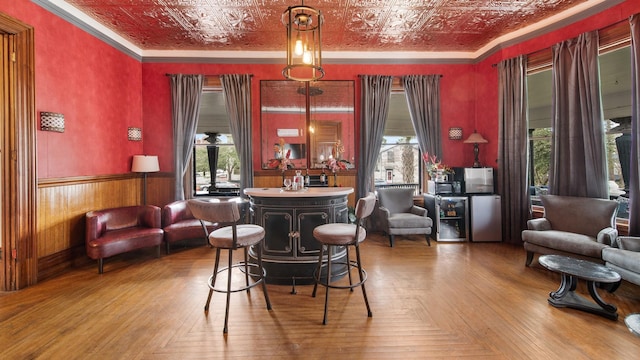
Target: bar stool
343,235
230,236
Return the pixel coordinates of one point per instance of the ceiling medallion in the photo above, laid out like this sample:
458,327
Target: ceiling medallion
304,51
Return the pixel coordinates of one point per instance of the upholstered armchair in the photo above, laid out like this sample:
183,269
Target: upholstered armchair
579,227
625,258
400,216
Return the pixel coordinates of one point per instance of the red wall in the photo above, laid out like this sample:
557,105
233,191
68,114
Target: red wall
96,87
457,99
102,91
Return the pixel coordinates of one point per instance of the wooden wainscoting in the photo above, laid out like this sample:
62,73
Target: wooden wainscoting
63,203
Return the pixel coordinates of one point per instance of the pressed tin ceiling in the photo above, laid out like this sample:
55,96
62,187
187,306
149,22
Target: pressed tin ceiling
350,25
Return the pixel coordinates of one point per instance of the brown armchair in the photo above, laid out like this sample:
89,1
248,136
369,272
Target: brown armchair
118,230
400,216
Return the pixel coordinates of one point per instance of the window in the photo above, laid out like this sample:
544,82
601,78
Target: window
216,165
399,160
615,87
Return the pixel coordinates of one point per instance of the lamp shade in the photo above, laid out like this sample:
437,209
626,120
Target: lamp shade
145,163
476,138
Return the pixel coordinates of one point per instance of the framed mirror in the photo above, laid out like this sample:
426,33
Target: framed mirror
307,122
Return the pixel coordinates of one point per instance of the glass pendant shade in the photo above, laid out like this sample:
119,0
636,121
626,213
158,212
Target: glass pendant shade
304,50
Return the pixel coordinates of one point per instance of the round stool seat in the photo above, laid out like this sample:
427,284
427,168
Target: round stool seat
338,234
248,235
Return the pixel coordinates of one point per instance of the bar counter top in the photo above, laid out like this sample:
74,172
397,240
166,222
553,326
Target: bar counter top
307,192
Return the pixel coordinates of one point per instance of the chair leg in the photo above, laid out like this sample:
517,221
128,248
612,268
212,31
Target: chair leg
167,247
390,240
226,312
318,271
262,277
349,269
364,291
246,269
100,266
326,295
213,279
428,239
529,258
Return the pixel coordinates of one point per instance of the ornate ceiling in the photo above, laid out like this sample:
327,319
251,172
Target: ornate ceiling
350,25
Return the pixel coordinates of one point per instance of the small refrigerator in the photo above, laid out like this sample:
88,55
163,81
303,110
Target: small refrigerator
485,218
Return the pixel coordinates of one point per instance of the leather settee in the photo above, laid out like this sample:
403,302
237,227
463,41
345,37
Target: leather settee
179,224
578,227
118,230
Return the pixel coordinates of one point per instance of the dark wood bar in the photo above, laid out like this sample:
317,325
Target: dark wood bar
290,252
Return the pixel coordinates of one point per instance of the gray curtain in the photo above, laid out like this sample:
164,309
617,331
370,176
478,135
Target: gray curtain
513,147
375,93
634,176
423,97
578,156
185,110
237,95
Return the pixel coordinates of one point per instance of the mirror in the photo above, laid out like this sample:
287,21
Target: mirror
306,121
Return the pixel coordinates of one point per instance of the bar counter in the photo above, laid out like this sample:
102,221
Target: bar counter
290,252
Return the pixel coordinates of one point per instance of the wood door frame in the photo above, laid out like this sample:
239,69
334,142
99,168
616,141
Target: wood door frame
18,149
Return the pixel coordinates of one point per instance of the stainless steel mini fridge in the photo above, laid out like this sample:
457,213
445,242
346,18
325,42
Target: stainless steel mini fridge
485,218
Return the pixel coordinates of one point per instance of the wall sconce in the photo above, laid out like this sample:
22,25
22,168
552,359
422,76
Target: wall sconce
455,133
476,139
304,50
134,134
50,121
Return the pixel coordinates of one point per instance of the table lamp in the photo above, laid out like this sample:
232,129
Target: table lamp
476,139
145,164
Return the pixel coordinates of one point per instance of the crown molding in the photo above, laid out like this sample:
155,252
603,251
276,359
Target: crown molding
579,12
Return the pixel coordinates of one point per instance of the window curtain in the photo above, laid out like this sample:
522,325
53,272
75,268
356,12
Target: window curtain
634,177
237,96
513,147
375,94
423,97
186,91
578,156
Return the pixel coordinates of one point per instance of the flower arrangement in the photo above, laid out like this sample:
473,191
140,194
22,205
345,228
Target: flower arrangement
282,161
435,167
334,163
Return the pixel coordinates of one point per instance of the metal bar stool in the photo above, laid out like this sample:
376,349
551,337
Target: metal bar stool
230,236
343,235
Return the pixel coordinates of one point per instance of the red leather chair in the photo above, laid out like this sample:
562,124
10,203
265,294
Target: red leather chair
115,231
179,224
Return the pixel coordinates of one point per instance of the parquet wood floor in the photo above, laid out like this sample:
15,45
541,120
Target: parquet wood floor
447,301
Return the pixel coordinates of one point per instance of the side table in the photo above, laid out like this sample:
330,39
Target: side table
571,270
